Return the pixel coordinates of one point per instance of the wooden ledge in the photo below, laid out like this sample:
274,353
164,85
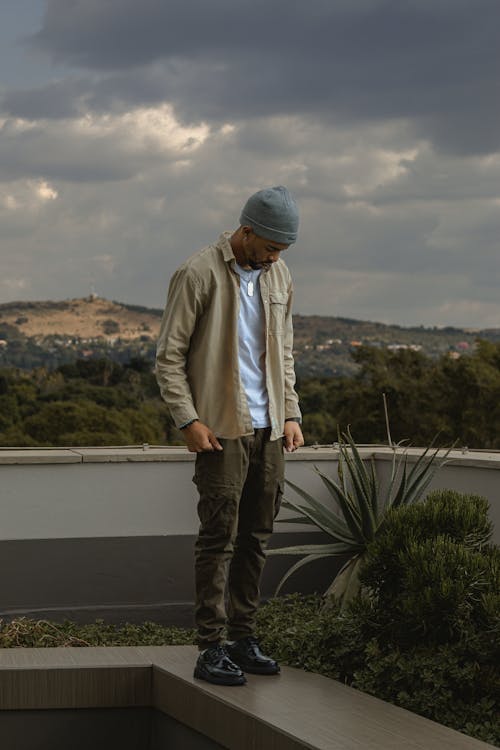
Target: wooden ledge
289,712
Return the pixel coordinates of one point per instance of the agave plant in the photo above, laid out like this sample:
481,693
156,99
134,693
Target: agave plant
363,509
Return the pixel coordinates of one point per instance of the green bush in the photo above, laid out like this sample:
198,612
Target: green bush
443,683
431,572
430,624
299,631
454,685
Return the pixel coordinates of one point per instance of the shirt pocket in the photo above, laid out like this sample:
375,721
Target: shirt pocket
277,311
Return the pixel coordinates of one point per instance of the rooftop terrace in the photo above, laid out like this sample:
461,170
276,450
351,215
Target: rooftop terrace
109,532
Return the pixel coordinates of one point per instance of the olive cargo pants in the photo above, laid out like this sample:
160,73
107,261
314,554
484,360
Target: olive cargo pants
240,492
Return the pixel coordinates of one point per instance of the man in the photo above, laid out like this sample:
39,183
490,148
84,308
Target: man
225,369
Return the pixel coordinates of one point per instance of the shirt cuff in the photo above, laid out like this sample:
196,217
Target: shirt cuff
186,424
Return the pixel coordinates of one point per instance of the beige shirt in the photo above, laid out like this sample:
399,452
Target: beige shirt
197,354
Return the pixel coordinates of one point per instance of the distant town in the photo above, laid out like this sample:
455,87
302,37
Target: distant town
48,334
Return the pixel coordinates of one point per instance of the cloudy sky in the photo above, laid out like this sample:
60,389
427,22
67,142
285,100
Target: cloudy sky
131,133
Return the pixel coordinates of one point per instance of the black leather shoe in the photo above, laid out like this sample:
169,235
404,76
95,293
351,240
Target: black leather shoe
246,654
215,666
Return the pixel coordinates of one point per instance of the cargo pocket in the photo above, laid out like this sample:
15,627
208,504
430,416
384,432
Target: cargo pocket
218,514
277,311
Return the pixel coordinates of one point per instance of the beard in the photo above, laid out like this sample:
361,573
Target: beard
255,266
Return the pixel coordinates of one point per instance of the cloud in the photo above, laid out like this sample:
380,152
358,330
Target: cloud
435,64
54,100
25,197
400,298
15,285
96,147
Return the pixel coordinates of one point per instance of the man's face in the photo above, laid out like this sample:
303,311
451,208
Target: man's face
261,253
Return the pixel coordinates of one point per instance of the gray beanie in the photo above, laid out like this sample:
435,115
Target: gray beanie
273,214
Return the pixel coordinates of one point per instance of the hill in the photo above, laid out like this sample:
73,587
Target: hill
88,318
51,333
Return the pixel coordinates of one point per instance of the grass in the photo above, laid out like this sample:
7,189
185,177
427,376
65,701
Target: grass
28,633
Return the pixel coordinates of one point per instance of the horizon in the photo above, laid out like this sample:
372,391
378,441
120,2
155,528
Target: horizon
91,296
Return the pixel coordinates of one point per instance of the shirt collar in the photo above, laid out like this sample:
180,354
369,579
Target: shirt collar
225,246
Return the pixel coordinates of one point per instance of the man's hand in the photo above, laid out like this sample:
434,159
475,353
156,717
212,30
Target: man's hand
293,438
200,438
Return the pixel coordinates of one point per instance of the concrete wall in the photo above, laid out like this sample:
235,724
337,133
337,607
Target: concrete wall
88,533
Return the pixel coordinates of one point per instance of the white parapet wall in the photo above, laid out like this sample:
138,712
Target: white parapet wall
109,532
103,492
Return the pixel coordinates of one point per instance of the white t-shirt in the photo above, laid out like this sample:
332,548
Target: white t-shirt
252,346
